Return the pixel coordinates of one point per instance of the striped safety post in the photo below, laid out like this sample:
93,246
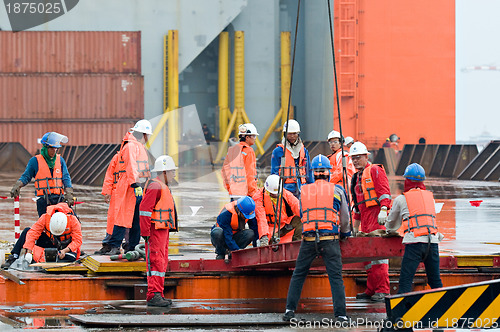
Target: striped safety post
17,221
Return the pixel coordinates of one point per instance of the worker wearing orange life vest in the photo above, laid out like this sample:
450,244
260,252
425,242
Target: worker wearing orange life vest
158,218
238,171
335,141
266,206
372,197
415,210
133,171
52,180
325,219
295,169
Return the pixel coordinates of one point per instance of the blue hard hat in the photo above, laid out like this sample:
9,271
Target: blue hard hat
247,206
415,172
53,139
321,162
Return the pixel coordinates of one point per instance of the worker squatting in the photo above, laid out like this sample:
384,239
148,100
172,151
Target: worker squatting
302,199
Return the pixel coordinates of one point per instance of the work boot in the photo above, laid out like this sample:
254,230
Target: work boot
363,296
11,259
159,301
379,297
342,320
104,250
113,251
288,316
219,256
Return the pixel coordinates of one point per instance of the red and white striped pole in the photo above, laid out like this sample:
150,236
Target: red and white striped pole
17,222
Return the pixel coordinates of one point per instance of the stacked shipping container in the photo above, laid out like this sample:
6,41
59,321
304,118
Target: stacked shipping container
86,85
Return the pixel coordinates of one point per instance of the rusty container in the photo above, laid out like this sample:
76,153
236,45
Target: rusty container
48,97
70,52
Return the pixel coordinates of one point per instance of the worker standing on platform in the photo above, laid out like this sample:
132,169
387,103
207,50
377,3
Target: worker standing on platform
239,169
133,169
372,198
266,207
229,232
415,209
337,175
325,219
158,217
58,229
52,180
296,169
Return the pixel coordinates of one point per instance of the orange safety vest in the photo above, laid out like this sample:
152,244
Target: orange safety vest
317,206
233,171
45,182
290,169
142,162
270,208
337,173
236,223
422,219
368,187
164,215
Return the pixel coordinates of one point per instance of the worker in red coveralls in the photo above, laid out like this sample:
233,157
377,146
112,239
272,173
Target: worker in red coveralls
371,197
158,217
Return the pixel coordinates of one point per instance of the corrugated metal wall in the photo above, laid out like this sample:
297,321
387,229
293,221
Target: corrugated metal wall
70,52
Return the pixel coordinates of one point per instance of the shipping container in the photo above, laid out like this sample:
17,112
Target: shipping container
70,52
79,133
71,97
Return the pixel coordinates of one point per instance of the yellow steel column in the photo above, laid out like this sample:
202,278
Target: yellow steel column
286,70
165,90
223,83
173,95
239,75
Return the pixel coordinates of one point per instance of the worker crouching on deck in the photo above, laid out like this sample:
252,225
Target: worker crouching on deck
325,219
229,232
415,209
52,180
58,229
267,203
158,217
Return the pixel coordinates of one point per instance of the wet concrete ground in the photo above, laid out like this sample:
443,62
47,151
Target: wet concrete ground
200,196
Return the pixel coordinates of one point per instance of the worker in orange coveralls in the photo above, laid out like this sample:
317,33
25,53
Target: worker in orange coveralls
239,169
109,192
372,197
133,169
335,141
158,217
266,207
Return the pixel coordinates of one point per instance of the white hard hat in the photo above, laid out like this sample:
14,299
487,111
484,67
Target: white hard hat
348,140
293,126
272,183
333,134
58,223
143,126
164,163
247,129
358,148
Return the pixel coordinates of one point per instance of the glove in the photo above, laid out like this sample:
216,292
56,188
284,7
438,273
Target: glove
14,192
146,238
107,198
264,241
382,217
138,191
69,196
28,257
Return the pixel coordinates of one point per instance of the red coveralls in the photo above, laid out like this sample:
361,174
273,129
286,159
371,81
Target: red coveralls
157,245
378,271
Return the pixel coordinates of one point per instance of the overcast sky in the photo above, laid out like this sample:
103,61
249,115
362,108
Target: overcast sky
477,92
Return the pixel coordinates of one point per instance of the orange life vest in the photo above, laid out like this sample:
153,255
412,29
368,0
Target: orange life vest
368,188
237,224
164,215
422,219
233,171
47,182
270,208
317,207
289,172
142,162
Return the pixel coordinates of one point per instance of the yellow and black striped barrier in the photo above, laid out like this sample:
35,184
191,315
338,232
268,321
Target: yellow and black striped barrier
467,306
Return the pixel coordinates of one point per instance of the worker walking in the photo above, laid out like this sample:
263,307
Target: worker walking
158,217
372,197
133,171
267,205
325,219
239,169
296,168
415,209
58,229
52,180
335,142
229,232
